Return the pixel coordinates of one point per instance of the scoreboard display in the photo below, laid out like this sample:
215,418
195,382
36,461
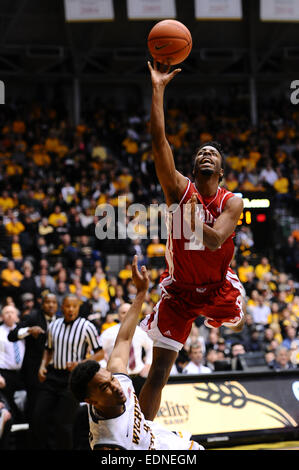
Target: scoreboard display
257,214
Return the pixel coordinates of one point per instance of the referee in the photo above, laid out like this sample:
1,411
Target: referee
69,340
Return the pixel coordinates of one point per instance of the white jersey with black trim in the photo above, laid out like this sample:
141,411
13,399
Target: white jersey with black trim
131,431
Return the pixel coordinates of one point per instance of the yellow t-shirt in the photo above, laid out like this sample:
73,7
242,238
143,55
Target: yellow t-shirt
16,251
154,250
99,152
102,286
282,185
54,218
6,203
106,325
14,229
260,270
231,185
130,145
86,291
125,274
52,144
41,158
11,278
235,162
243,270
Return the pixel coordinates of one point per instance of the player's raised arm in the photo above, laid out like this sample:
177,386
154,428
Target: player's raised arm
172,182
120,355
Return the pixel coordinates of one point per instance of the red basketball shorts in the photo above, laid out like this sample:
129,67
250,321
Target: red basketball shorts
170,323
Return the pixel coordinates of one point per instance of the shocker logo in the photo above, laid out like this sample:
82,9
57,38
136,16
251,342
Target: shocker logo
235,395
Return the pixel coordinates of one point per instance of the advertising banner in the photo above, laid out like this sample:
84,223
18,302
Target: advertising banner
226,405
88,10
151,9
218,9
279,10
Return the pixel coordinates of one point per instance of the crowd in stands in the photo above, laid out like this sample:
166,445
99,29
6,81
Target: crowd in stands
53,175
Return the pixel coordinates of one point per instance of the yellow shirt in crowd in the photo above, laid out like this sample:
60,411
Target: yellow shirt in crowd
260,270
11,278
14,228
281,185
55,218
154,250
242,272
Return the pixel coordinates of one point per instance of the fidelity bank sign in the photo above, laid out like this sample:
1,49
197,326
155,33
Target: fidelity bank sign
2,92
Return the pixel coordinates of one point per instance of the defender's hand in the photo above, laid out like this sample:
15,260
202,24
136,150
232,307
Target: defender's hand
140,279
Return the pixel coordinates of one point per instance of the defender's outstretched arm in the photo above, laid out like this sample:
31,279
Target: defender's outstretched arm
119,358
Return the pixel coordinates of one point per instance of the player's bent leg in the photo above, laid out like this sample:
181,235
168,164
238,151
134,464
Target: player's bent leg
150,394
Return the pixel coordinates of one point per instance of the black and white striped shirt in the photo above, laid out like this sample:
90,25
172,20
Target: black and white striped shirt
70,341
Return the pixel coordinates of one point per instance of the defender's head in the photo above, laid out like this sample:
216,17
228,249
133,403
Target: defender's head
209,160
96,385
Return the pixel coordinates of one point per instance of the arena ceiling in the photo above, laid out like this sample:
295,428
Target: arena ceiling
35,41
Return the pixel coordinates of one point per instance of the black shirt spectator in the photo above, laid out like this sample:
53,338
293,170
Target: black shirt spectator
33,328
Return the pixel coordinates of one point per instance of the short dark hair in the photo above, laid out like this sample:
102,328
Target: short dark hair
217,146
70,296
80,376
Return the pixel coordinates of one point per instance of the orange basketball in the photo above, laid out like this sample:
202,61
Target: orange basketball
169,42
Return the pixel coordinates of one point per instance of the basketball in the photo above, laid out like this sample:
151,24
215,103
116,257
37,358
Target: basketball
169,42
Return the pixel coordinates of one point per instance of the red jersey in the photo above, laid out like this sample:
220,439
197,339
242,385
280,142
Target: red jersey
191,263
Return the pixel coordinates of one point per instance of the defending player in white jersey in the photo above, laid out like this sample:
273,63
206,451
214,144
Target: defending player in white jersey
115,418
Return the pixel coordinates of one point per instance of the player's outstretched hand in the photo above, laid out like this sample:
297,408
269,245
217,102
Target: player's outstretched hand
140,279
160,73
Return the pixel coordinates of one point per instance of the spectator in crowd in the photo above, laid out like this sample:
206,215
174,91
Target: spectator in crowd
180,363
262,268
14,226
211,357
155,253
28,304
237,348
260,312
99,308
11,279
254,343
196,363
11,359
291,337
244,270
268,336
268,176
28,285
282,359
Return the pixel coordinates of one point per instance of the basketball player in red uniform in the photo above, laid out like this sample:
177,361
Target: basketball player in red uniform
198,279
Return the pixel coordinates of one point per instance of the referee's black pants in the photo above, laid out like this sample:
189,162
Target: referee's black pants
54,413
